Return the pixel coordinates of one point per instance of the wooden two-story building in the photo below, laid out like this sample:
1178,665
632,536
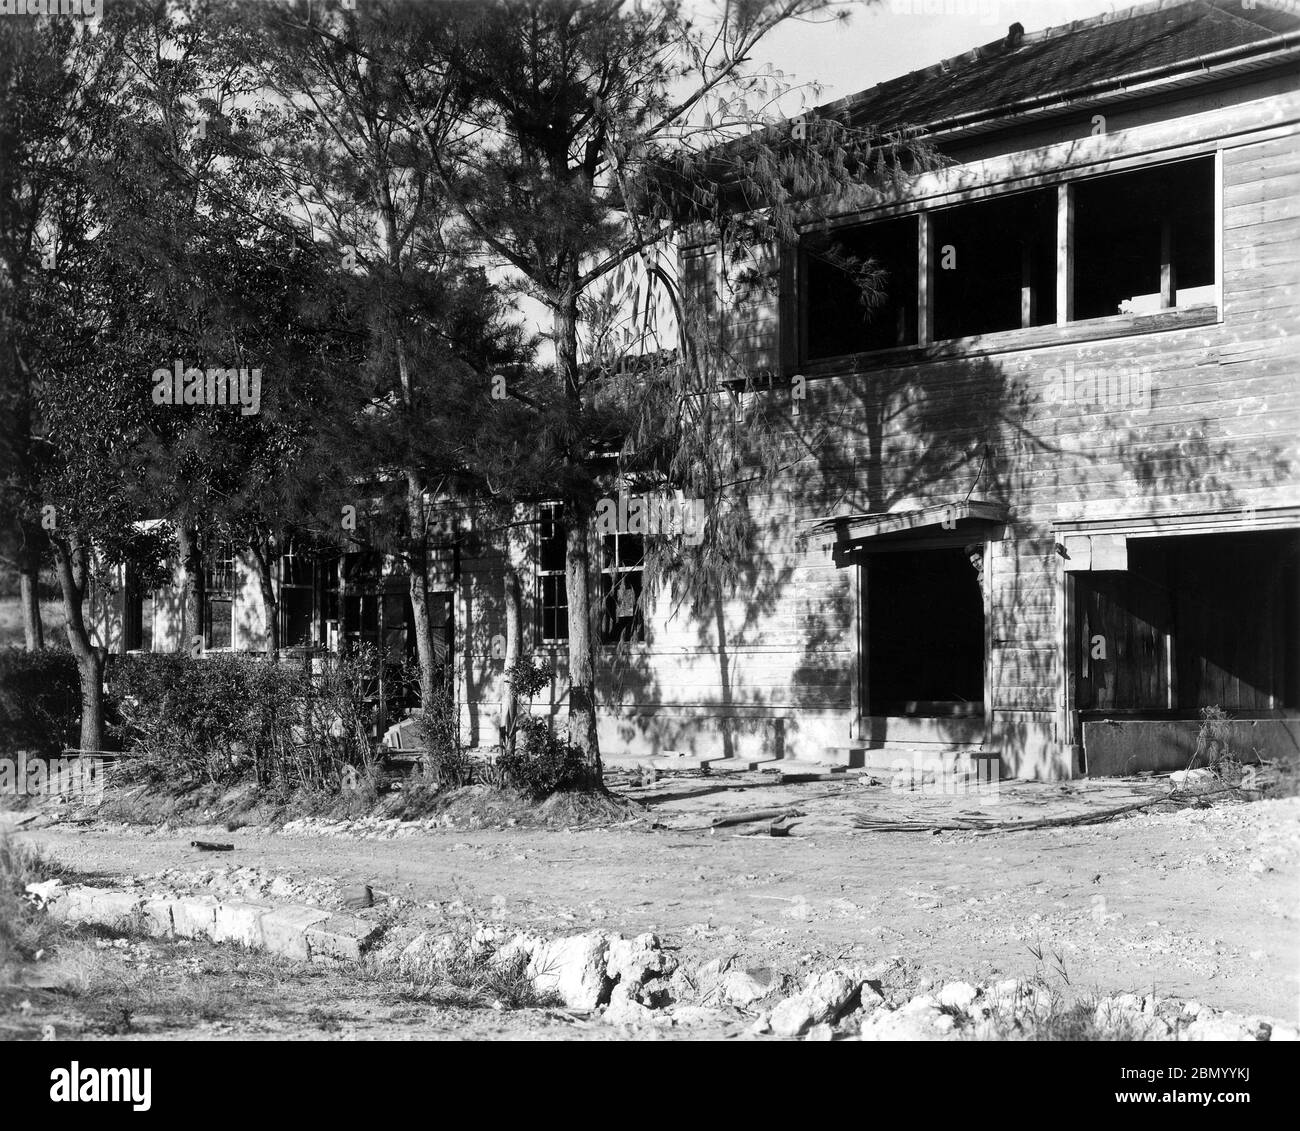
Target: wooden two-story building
1050,504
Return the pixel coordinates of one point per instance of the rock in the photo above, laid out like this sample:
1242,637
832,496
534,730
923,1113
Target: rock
355,898
340,936
1212,1026
573,968
707,979
622,1010
1183,778
741,988
823,998
239,923
635,961
427,955
920,1019
958,995
196,917
284,930
820,1032
44,891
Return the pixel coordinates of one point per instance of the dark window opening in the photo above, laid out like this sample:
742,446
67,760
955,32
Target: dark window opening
552,588
137,630
218,589
1144,241
993,265
924,634
621,575
841,320
299,610
1195,621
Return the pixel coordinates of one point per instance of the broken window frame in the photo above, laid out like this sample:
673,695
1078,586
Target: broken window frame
616,576
1065,186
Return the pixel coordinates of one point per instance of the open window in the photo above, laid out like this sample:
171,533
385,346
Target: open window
300,595
1195,621
1144,241
924,633
621,574
841,317
993,265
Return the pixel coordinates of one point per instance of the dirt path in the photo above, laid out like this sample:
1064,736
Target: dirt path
1200,903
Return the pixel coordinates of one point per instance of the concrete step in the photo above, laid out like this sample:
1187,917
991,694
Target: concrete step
888,759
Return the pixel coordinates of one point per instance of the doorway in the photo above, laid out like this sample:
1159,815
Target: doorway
923,633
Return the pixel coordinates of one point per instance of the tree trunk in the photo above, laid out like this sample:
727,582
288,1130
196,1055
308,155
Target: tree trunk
582,679
430,660
71,562
263,556
191,567
29,577
514,653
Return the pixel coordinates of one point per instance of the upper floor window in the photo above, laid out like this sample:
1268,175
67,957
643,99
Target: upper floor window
1133,242
1144,241
994,264
861,288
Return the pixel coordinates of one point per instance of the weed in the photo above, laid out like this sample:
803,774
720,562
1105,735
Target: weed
25,929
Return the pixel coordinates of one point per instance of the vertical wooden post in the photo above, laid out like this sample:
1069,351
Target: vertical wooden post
1064,254
1218,231
1168,280
1028,286
924,281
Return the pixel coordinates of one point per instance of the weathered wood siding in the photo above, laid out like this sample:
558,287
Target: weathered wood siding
773,668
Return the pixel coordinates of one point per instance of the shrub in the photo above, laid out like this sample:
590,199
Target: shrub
40,701
226,717
542,763
447,762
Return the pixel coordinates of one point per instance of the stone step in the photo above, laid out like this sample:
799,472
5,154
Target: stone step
892,759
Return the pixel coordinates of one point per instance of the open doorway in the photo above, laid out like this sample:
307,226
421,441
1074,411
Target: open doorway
924,633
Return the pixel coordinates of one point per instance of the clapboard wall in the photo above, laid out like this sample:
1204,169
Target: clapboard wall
772,667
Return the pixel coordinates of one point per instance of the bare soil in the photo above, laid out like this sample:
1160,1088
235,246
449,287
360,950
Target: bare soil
1199,903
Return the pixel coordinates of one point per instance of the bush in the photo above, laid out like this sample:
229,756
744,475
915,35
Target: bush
542,764
227,717
447,762
40,701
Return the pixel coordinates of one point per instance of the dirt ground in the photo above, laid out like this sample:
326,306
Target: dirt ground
1200,903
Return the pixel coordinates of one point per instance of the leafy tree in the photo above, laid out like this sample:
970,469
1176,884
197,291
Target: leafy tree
601,131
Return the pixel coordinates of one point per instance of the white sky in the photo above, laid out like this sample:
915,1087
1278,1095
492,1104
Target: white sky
888,38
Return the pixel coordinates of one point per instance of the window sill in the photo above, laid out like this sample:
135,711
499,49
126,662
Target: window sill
1007,341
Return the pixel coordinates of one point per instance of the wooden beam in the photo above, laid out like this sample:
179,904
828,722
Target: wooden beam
1064,254
1028,286
1168,281
924,281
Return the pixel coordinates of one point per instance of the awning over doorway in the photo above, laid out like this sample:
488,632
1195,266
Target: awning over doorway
965,515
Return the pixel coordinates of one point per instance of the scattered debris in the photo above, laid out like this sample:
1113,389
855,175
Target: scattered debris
755,815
